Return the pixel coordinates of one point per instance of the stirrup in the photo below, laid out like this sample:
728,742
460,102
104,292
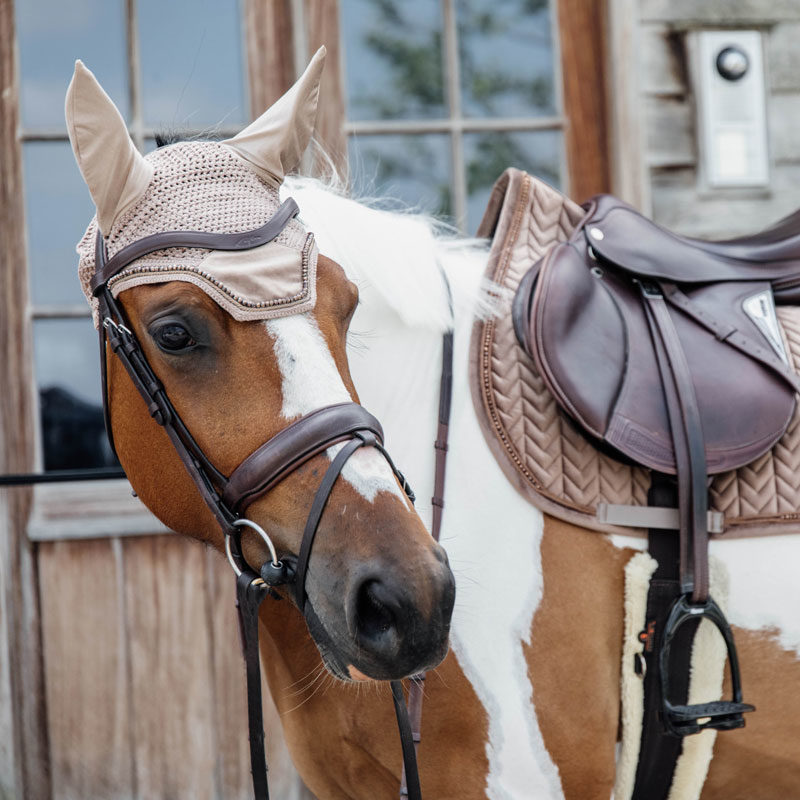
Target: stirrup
721,715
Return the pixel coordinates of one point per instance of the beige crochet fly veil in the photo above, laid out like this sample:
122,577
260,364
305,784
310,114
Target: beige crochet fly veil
214,187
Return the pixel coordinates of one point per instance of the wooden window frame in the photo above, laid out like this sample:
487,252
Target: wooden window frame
85,510
278,37
455,124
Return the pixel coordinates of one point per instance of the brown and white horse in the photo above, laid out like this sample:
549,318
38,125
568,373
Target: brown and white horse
526,702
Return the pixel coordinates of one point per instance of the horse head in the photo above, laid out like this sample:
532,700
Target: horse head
244,343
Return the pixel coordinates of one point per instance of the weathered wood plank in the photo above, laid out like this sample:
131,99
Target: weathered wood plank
10,777
783,57
626,136
679,205
670,131
23,757
663,61
783,112
725,13
230,703
322,23
583,56
87,682
85,511
174,744
270,59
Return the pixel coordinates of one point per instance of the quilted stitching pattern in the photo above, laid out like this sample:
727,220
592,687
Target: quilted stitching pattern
554,461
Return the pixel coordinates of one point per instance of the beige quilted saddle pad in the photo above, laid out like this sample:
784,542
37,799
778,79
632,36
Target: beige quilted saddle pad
540,451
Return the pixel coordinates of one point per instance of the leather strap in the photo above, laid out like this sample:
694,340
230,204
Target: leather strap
730,335
415,689
246,240
409,745
293,446
687,441
315,515
442,433
250,593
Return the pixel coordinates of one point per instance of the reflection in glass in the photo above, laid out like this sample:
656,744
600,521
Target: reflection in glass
68,378
393,59
506,58
191,63
57,208
414,170
51,35
488,154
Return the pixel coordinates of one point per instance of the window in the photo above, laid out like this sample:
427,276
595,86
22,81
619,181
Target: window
168,66
441,97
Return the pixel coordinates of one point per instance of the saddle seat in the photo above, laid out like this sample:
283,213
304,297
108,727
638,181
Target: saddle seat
627,238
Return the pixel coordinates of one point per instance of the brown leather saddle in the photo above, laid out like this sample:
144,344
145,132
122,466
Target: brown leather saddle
666,349
667,352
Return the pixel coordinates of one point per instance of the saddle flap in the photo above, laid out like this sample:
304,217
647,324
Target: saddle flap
577,338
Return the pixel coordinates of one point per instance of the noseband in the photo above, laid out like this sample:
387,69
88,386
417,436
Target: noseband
348,424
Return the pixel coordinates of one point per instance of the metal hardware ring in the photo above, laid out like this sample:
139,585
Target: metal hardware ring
261,532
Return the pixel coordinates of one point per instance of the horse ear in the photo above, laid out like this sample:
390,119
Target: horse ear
114,170
274,143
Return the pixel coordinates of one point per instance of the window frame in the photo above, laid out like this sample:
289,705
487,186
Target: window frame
77,509
455,124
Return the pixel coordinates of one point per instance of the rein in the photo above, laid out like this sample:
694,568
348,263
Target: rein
228,496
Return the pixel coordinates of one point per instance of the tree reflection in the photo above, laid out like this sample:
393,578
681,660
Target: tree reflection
506,70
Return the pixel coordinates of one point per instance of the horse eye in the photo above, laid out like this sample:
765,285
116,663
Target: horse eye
173,337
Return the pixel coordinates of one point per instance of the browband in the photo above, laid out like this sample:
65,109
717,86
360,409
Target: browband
105,269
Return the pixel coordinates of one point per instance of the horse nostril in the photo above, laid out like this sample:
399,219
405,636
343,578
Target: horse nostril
374,613
441,555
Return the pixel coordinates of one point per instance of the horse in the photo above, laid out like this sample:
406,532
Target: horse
525,703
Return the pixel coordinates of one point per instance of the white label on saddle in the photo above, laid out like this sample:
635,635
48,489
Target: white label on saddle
760,307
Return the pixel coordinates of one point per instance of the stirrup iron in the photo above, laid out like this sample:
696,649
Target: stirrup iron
721,715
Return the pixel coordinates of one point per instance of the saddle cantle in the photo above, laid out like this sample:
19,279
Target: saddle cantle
542,450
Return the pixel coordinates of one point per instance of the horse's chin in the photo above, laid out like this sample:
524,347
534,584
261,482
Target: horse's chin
351,668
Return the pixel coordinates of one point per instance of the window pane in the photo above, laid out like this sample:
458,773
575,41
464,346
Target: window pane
393,59
58,209
192,63
51,35
412,169
488,154
68,378
506,58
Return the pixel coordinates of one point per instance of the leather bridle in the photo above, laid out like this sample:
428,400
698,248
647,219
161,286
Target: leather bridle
229,496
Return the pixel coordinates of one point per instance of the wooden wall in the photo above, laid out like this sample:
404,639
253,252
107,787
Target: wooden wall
670,137
144,675
121,673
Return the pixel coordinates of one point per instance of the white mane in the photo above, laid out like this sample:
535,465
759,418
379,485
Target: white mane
397,255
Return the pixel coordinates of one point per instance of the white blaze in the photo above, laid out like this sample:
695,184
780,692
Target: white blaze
310,380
